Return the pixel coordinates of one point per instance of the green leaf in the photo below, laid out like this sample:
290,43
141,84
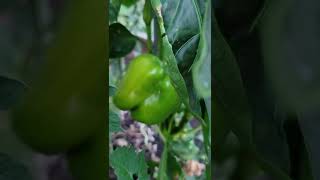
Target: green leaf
186,54
229,90
201,70
174,167
193,97
114,8
114,122
126,162
182,21
163,164
185,148
121,40
171,63
128,3
169,58
11,169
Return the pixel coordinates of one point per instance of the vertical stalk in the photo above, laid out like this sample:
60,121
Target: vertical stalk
147,17
149,40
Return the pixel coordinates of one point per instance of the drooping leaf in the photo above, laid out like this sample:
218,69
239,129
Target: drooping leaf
169,58
186,54
182,21
171,63
201,70
126,162
121,40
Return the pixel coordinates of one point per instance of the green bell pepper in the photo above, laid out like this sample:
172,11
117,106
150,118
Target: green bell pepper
146,90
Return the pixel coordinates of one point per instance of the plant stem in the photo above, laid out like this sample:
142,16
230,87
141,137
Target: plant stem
149,41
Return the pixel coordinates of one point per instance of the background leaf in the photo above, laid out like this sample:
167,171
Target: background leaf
114,122
121,40
114,8
201,70
126,162
128,2
182,20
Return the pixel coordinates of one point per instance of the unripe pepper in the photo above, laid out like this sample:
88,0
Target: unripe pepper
146,90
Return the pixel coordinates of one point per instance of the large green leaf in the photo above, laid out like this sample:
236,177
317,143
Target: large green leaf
121,41
169,58
201,71
161,8
182,20
126,162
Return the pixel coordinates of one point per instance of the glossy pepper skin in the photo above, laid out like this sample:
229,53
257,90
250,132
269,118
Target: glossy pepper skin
146,90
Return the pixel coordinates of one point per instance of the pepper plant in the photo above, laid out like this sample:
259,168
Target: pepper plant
161,77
